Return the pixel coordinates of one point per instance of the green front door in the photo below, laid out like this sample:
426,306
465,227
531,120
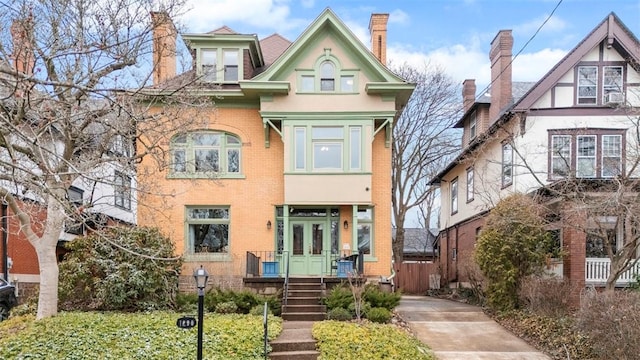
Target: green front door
308,240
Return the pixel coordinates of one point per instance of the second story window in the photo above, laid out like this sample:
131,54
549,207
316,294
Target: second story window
327,147
600,84
205,154
587,153
454,196
507,164
470,185
122,190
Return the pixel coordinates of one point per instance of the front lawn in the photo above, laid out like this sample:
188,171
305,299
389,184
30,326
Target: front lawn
133,336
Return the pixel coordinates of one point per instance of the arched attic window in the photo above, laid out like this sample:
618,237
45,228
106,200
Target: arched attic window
327,76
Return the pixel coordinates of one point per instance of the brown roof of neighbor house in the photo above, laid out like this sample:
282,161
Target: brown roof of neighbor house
272,47
223,30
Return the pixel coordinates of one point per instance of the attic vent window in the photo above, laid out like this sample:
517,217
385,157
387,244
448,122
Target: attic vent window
327,76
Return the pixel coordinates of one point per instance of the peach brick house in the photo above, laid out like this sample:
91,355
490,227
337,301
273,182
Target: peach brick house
292,170
575,122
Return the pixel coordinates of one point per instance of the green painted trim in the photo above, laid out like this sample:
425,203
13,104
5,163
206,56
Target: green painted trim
220,103
337,172
216,176
266,98
279,87
329,116
327,22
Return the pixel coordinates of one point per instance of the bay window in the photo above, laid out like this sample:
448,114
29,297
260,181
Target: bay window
588,153
327,148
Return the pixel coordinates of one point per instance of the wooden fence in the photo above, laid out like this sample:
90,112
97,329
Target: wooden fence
413,277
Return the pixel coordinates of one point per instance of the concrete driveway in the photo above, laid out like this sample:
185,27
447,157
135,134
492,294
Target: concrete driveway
457,331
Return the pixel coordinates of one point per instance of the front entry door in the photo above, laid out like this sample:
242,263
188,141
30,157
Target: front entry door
307,243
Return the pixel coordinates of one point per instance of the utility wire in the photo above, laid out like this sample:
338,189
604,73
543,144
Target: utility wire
521,49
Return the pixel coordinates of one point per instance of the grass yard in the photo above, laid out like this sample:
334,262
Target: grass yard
101,336
132,336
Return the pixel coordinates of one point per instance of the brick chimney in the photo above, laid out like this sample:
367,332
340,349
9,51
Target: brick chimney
500,56
164,47
22,57
378,30
468,94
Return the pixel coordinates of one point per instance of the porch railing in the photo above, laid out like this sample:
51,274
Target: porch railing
264,264
274,264
597,271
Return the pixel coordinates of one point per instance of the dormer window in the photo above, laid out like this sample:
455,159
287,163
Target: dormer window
327,76
208,60
228,59
472,126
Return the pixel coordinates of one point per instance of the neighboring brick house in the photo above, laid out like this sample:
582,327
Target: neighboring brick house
108,189
576,120
294,164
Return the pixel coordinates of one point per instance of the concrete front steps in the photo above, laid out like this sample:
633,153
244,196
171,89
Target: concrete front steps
302,309
295,342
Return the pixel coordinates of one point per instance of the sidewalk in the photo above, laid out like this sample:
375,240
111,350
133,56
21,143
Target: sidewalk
457,331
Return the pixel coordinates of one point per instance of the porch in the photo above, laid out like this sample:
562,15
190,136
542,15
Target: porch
273,264
597,271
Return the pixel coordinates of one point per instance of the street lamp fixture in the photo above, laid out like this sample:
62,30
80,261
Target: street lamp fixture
201,276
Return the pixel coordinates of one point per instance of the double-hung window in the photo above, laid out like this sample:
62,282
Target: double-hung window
587,84
611,155
560,155
220,65
76,226
122,190
365,229
470,185
507,164
327,76
208,229
473,123
612,80
586,156
209,61
328,148
454,196
587,153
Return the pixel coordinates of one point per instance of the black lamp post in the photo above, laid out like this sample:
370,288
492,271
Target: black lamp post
201,275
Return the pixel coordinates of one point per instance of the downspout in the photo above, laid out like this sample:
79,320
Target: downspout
5,255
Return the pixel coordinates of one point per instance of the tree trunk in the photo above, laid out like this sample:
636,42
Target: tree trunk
47,260
398,245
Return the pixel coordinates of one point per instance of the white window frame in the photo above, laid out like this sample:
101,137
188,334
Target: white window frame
365,220
557,157
122,190
507,164
607,154
612,84
454,196
580,170
470,184
586,81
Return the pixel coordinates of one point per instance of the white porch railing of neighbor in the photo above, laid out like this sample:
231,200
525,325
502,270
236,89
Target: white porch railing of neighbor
597,271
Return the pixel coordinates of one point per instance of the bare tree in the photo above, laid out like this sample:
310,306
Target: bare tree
65,118
423,142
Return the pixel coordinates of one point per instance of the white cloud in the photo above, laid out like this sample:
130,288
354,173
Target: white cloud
361,32
533,66
399,17
207,15
553,25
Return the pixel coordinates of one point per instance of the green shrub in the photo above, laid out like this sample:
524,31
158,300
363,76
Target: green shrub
244,300
380,299
339,314
363,311
513,244
357,341
228,307
186,302
379,315
338,297
259,310
97,274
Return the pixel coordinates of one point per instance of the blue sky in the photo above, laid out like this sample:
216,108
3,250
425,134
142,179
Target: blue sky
454,34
